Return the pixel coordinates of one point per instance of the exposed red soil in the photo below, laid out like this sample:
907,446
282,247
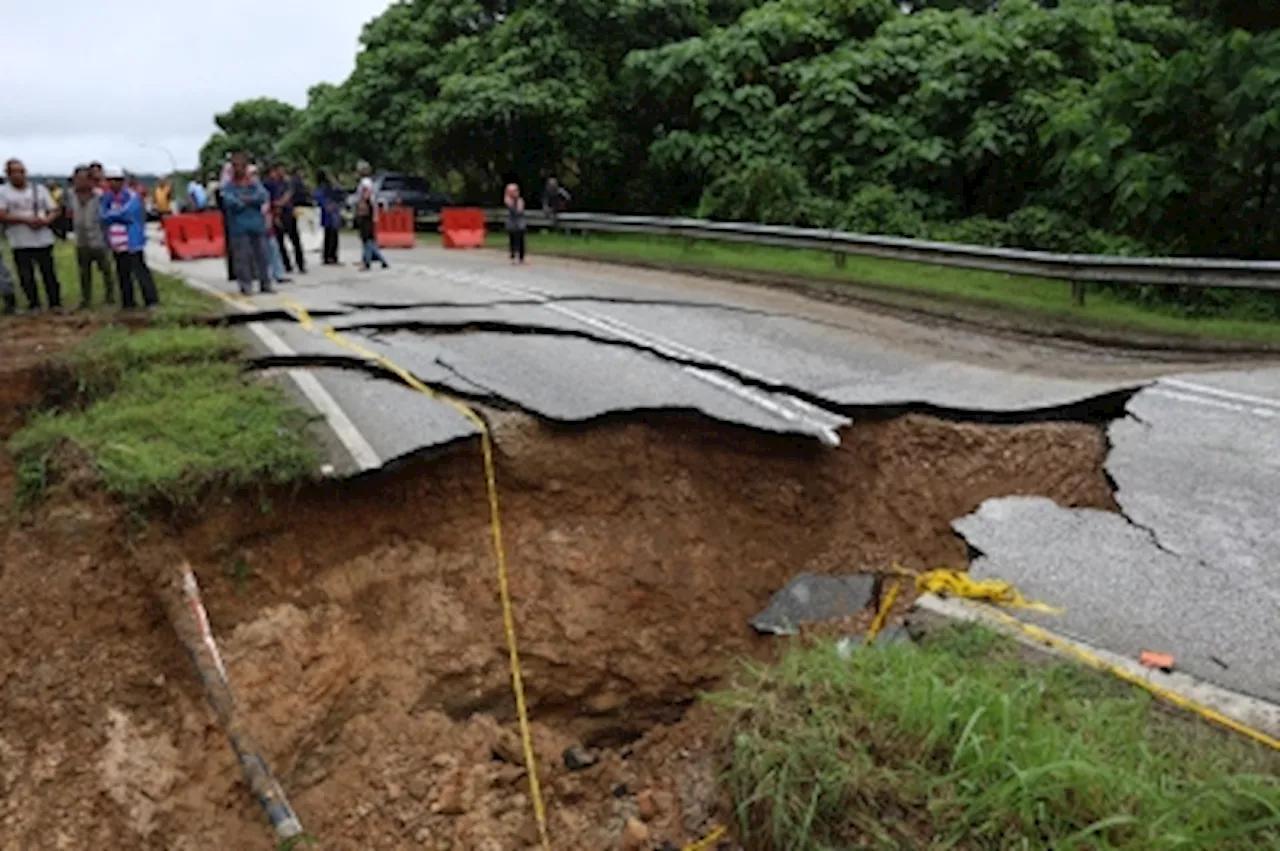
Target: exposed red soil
362,633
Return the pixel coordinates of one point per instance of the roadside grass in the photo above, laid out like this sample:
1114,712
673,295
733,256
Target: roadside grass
178,302
965,742
165,415
1034,296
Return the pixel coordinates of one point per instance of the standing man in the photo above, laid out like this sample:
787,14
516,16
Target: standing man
197,198
85,205
554,200
329,199
28,212
126,221
366,215
243,198
280,187
164,196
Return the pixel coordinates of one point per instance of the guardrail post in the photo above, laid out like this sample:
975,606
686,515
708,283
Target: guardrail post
1077,293
842,259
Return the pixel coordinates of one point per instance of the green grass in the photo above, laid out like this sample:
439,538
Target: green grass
165,415
1032,296
178,302
966,743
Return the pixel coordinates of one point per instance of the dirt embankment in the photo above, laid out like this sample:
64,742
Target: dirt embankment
362,633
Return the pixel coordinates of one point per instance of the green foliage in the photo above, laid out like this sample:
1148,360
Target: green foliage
253,126
165,415
1137,125
968,744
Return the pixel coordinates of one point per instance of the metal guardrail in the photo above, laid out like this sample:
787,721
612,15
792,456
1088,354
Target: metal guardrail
1075,268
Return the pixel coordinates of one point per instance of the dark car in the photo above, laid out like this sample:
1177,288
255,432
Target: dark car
404,190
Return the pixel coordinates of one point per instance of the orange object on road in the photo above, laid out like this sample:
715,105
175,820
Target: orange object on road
395,228
462,227
191,236
1160,661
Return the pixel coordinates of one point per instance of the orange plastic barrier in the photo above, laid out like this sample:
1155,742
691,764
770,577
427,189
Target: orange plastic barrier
191,236
395,228
462,227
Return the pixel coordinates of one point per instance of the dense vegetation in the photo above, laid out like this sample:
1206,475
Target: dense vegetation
1087,125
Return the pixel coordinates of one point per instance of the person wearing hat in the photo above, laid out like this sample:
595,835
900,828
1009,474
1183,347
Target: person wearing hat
126,221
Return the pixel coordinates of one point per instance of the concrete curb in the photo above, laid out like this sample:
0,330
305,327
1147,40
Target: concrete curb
1250,711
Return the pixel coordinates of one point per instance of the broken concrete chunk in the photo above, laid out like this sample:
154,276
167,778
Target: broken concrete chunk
809,598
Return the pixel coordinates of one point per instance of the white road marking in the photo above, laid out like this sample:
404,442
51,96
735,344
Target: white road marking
1208,402
822,423
1206,390
357,446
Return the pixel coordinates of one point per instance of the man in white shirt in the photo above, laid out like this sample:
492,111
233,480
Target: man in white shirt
28,213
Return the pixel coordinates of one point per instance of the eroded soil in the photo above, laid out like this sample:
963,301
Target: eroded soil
362,632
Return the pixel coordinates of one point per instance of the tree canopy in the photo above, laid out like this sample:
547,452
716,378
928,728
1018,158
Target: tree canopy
1087,125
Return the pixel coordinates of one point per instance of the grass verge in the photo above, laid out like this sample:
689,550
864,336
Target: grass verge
965,742
165,415
178,302
1031,296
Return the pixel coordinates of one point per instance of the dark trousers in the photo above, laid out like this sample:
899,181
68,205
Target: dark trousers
88,258
231,269
289,227
131,264
27,259
331,245
516,240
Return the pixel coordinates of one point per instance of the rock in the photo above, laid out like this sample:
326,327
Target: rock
809,598
621,790
646,804
635,836
576,758
508,748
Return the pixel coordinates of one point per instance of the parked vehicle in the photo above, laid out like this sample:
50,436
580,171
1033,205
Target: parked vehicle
392,189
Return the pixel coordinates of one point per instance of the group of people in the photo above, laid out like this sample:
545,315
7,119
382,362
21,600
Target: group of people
555,198
108,219
262,223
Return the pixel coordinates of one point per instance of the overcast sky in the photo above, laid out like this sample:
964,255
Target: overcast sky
96,80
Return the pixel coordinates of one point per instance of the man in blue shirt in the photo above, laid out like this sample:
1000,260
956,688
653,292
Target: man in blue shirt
244,199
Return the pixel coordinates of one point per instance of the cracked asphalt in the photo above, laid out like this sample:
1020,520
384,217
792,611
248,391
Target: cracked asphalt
1191,566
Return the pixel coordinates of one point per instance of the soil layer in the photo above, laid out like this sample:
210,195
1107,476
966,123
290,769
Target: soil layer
362,633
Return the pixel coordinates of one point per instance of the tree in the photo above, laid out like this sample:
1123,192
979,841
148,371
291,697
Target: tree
253,126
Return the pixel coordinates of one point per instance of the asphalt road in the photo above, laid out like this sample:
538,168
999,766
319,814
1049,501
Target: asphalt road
1188,568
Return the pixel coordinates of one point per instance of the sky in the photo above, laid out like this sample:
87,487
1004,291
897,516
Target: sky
76,92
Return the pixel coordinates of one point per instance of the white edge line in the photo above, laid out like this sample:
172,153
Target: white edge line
1206,390
1250,711
361,451
1212,403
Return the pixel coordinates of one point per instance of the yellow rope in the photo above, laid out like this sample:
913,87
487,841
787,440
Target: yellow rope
495,522
883,614
707,841
1093,661
957,583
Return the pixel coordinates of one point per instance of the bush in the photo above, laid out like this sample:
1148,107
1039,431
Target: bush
763,191
883,210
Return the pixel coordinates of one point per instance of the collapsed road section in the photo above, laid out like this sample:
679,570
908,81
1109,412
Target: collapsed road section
649,514
360,627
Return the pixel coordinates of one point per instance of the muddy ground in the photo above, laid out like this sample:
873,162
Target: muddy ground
362,633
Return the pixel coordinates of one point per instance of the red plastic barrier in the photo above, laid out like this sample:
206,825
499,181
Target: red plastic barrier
462,227
395,228
191,236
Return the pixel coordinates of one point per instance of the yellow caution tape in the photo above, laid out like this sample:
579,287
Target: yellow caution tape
957,583
304,319
1093,661
883,614
707,841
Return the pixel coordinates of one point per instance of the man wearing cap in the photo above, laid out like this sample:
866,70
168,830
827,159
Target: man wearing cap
28,211
126,222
